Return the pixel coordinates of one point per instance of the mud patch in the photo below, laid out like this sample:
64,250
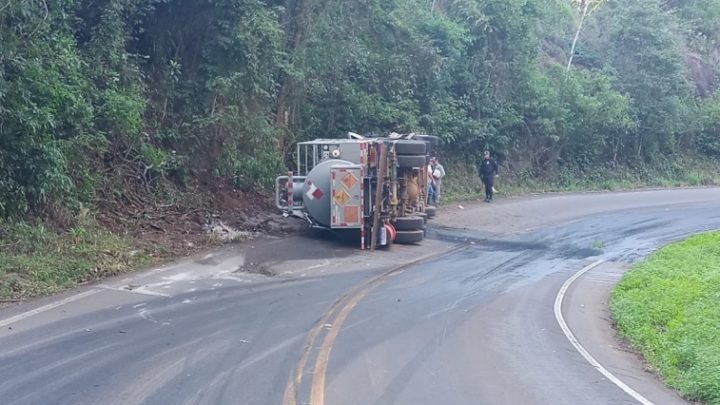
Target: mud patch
208,261
227,233
574,252
643,227
512,246
256,268
456,235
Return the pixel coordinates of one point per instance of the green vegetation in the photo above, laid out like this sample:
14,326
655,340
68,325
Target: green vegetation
156,96
691,172
35,260
668,308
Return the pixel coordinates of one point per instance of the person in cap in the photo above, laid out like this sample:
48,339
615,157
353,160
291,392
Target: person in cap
488,169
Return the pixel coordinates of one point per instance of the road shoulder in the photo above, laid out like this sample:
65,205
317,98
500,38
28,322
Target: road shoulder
588,316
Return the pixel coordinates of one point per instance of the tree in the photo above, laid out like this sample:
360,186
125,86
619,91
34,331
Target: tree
645,56
586,7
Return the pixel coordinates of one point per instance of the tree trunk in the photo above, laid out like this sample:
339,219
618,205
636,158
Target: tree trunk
586,8
295,21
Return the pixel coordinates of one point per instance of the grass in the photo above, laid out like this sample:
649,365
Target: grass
668,307
598,244
35,260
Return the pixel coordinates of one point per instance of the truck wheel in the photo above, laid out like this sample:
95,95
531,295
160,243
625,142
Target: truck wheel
408,237
431,139
430,211
410,148
408,223
411,161
422,215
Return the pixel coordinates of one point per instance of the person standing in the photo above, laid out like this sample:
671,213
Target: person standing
438,174
432,189
488,170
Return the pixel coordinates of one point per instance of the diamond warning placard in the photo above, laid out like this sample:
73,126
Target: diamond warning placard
341,197
314,193
346,197
349,180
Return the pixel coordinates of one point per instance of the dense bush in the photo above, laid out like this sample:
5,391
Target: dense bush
96,94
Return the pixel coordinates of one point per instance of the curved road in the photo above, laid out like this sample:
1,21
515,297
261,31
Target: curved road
469,318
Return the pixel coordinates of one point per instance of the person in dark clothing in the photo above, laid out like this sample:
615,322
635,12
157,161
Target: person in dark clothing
488,169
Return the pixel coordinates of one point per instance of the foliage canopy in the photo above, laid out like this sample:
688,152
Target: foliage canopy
97,95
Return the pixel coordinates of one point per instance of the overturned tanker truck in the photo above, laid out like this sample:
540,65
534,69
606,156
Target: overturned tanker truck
372,188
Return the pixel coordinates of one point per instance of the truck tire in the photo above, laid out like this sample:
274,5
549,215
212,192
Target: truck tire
408,237
411,161
410,148
431,139
408,223
430,211
422,215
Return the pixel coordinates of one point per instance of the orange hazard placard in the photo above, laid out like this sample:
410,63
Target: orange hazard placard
341,197
352,215
346,197
349,181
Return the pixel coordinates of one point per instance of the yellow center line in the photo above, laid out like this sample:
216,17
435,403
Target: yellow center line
317,387
290,397
317,392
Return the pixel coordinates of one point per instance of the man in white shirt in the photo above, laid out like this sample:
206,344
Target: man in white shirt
438,172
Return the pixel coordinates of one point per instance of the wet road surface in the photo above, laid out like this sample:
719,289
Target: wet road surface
466,319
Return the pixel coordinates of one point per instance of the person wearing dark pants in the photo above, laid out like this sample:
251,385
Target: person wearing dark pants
488,169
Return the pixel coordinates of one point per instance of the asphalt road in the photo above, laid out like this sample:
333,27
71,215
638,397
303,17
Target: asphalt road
471,317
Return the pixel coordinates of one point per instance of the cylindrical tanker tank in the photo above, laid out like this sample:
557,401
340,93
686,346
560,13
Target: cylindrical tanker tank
317,190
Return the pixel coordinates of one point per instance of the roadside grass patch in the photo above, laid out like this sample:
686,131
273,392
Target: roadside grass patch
668,307
35,260
462,182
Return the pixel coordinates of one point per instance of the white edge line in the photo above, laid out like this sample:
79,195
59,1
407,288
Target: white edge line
573,340
45,308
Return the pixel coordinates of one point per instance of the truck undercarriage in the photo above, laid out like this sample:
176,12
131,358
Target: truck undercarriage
374,188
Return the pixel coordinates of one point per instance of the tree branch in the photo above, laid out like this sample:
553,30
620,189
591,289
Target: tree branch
9,3
586,7
47,14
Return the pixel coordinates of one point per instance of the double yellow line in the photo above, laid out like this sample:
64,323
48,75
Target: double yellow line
339,312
